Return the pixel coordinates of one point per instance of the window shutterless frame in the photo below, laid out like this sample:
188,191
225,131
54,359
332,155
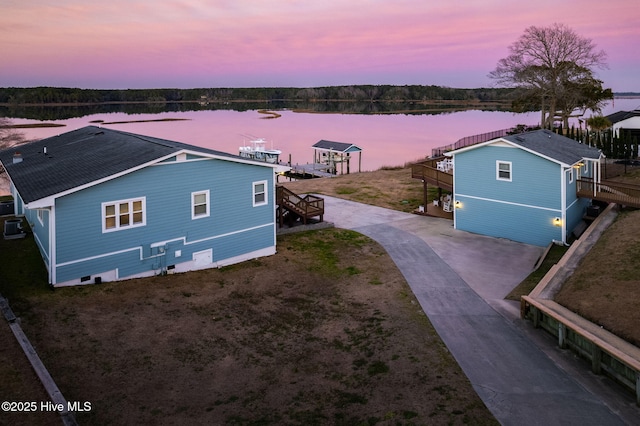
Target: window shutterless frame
260,193
200,204
124,214
503,170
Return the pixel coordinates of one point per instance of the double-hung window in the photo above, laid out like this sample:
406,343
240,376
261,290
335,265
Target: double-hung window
123,214
200,204
259,193
503,170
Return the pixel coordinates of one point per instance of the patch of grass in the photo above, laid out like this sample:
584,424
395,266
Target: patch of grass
528,284
25,274
347,398
353,270
344,190
377,367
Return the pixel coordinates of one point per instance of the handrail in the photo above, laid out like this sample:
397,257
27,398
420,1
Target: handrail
469,140
427,171
609,191
306,207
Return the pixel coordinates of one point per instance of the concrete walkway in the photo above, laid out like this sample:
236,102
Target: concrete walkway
460,280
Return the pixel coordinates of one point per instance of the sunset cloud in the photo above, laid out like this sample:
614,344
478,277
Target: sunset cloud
188,43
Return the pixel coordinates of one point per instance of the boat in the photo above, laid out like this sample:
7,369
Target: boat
256,150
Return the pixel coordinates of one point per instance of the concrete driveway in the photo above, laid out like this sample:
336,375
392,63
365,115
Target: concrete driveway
460,280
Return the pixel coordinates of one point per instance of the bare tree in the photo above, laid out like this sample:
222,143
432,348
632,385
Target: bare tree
555,67
8,135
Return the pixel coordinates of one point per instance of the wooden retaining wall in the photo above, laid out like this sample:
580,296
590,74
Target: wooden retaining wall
609,355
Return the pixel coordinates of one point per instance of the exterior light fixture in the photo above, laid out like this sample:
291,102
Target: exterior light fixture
457,204
557,221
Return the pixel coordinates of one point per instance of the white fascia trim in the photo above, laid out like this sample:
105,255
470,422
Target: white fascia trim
50,200
225,158
479,145
503,142
161,244
493,200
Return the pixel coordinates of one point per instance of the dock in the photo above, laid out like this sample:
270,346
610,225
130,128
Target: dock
329,160
309,171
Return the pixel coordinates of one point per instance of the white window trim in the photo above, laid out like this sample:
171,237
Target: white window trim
41,216
193,204
116,203
498,163
570,175
266,193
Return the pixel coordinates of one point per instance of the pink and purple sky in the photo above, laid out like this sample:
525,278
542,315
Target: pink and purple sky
120,44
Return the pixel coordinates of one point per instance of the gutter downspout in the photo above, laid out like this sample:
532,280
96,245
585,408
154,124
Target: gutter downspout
563,203
52,245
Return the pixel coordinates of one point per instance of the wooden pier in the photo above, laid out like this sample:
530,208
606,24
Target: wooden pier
309,171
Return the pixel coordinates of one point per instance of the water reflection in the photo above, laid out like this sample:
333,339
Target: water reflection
386,139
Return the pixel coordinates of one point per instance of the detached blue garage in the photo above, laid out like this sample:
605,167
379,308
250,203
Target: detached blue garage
523,187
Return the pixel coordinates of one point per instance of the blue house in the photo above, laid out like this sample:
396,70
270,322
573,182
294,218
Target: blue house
523,187
107,205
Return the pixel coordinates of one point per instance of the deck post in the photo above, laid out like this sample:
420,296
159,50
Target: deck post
562,335
536,317
596,359
425,186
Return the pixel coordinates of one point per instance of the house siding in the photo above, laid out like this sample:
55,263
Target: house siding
522,209
629,123
233,228
526,224
41,231
534,180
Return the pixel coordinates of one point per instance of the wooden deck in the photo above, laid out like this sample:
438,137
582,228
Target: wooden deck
610,192
427,170
435,211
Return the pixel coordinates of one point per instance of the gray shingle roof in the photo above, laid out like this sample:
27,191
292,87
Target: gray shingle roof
554,146
336,146
622,115
60,163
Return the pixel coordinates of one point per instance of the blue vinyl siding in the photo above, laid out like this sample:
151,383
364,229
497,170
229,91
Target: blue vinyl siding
40,231
520,210
515,222
535,181
575,212
233,227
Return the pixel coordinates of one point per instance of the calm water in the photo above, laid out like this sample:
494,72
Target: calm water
386,140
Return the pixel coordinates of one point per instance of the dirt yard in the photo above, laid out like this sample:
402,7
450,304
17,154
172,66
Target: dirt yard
606,287
324,332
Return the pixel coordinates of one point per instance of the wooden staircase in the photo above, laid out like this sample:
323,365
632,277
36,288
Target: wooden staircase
293,207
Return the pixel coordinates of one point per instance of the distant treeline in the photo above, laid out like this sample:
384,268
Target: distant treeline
358,93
